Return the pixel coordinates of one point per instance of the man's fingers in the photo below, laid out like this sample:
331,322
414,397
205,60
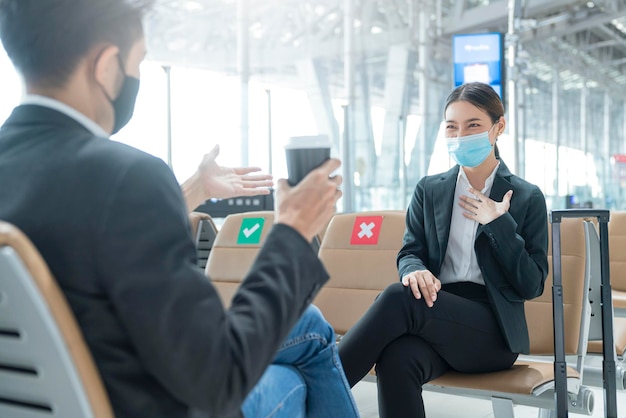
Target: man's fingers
255,179
282,185
507,196
330,165
246,170
337,179
213,153
254,191
257,184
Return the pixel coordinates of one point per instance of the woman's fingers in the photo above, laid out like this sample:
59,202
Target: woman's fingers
423,285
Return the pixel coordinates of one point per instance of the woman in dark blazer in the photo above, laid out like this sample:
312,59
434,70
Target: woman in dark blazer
474,249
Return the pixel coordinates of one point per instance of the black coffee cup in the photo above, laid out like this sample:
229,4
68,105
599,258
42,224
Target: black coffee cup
305,153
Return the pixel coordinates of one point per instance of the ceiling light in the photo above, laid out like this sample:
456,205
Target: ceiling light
192,6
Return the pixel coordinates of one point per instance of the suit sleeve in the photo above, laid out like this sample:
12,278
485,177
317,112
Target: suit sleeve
414,251
208,357
521,250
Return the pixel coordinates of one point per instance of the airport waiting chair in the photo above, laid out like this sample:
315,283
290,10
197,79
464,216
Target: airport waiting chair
359,252
46,369
617,258
593,366
196,219
204,231
531,381
235,249
316,243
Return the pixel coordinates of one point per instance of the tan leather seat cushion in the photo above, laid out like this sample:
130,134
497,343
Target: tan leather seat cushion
619,336
617,253
522,378
619,297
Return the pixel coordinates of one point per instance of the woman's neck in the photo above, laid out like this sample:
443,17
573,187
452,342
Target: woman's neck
477,176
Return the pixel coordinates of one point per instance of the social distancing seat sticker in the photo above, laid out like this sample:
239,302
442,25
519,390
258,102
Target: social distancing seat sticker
366,230
250,231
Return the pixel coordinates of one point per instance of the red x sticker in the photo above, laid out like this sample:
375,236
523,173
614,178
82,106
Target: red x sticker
366,230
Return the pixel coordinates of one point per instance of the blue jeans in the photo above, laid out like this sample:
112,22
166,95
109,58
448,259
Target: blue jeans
306,378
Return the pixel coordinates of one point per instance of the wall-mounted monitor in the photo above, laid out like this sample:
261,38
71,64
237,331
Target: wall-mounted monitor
479,57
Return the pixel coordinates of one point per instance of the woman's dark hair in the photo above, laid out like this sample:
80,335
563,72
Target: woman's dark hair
46,39
481,95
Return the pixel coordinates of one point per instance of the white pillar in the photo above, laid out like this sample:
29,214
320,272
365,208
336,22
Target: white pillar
512,44
556,131
318,93
606,148
349,80
388,169
423,55
243,66
583,134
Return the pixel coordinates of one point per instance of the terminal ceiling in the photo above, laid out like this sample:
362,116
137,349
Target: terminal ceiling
585,41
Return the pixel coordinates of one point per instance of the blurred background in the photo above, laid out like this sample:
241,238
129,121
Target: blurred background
373,75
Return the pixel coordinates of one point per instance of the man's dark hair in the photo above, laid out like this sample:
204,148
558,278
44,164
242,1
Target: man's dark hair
45,39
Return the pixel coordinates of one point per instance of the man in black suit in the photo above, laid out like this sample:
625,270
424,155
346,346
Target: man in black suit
111,223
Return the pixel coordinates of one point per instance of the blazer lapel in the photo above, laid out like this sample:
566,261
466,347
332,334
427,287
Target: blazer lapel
501,183
443,202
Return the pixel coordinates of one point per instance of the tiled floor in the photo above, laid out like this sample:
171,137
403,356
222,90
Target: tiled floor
447,406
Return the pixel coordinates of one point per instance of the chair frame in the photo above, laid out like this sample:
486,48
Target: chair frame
609,366
616,235
593,371
204,232
46,368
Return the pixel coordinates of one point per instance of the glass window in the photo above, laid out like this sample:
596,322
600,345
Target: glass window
10,86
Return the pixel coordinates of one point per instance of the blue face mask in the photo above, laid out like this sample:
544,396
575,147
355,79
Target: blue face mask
470,150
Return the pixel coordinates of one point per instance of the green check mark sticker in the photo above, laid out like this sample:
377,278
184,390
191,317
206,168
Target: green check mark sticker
250,232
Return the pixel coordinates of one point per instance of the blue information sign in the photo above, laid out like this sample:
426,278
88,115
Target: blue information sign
479,57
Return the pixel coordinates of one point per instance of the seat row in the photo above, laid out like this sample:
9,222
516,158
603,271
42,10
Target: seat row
43,354
359,251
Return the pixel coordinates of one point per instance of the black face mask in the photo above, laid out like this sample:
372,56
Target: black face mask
124,105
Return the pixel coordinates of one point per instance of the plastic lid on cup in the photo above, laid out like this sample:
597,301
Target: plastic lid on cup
314,141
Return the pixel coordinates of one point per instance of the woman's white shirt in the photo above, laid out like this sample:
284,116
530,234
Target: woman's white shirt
460,263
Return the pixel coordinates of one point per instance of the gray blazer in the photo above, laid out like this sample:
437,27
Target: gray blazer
511,250
111,223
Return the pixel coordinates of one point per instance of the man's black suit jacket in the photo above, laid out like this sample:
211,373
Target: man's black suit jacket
110,222
511,250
